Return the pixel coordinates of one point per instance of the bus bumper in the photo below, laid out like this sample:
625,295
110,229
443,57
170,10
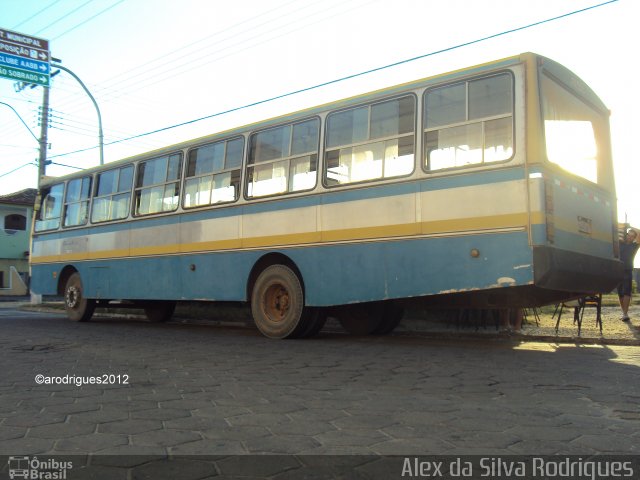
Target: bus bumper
563,270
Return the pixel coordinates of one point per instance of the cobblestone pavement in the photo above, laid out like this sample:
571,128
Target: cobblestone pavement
330,404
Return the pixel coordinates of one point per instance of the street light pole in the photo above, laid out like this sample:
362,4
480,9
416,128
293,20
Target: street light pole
95,104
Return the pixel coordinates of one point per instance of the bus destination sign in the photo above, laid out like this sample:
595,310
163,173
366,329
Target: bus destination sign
24,58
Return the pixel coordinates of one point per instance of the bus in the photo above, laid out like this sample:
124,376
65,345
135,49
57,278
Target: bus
487,187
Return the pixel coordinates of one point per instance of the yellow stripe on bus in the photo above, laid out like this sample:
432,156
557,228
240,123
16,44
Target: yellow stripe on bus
354,234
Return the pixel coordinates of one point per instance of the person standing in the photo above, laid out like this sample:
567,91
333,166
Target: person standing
628,248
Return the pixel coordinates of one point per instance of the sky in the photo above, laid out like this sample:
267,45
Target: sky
153,64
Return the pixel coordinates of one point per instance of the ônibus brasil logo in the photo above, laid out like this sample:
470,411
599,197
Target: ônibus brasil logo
35,469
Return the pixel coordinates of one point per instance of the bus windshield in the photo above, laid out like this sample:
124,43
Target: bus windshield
571,130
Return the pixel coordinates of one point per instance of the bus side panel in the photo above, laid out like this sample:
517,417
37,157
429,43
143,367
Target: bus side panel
192,277
220,276
342,274
44,279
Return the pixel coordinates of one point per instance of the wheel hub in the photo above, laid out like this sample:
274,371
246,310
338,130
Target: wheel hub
277,302
72,297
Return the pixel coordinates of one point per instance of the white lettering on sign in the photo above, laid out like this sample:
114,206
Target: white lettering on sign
22,39
15,49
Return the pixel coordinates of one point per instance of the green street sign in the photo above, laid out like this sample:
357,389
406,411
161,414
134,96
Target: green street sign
24,58
24,75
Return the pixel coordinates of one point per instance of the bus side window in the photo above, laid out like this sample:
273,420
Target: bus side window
158,185
283,159
371,142
213,173
113,195
469,123
76,202
51,209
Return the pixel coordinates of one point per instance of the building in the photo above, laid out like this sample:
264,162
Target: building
16,212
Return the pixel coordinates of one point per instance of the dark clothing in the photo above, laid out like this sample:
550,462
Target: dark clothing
625,287
627,253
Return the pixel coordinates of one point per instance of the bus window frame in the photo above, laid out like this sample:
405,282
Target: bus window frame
89,201
94,194
184,178
369,141
41,209
179,181
289,158
465,81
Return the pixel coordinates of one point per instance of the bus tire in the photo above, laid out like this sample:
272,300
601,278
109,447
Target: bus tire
160,311
277,303
316,322
78,307
392,314
360,318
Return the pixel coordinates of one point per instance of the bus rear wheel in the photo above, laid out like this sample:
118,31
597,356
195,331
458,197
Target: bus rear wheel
391,316
78,308
360,318
160,311
277,303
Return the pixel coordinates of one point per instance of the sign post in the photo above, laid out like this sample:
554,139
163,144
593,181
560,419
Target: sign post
24,58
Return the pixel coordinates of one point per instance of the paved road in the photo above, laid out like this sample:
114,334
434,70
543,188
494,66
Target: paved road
210,390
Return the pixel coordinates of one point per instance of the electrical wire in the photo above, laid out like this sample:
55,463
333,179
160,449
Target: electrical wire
36,14
87,20
147,70
66,15
347,77
251,42
16,169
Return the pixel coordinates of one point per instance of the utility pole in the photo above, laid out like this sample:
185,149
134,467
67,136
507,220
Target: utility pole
44,126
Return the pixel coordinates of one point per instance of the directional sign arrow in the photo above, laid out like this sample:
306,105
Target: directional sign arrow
24,58
14,61
23,75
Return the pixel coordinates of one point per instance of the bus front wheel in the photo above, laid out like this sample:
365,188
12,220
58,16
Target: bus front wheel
277,303
79,308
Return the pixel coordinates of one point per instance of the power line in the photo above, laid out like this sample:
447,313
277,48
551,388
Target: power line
36,14
246,44
64,16
348,77
67,166
87,20
145,67
16,169
146,70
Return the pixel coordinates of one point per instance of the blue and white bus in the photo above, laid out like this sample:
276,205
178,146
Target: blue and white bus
487,187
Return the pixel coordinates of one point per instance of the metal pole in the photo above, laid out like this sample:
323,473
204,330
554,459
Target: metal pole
100,134
42,160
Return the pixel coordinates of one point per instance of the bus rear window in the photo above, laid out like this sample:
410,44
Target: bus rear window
570,130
